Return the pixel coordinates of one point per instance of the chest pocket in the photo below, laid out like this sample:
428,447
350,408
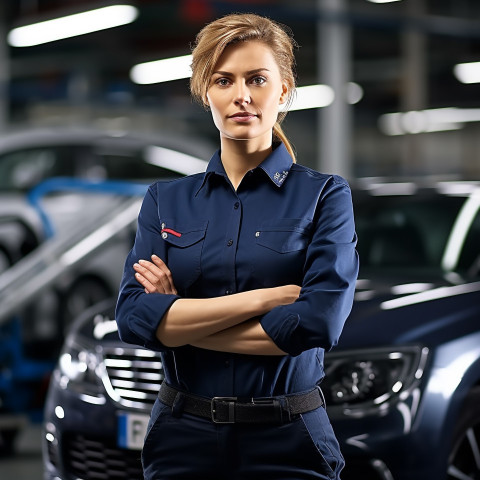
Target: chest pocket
280,249
184,245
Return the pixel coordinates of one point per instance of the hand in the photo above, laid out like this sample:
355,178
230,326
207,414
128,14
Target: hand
285,294
154,277
269,298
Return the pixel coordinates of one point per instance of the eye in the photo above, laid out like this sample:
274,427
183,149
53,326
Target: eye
222,82
258,80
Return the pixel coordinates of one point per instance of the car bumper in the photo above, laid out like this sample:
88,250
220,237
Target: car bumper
388,448
82,439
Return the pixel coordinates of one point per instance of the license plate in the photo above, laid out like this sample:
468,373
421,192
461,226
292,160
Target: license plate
132,428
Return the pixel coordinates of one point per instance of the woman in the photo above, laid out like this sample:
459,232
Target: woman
242,277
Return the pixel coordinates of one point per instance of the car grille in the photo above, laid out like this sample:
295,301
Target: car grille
95,459
134,376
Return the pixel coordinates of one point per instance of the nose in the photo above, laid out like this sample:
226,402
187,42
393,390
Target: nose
242,95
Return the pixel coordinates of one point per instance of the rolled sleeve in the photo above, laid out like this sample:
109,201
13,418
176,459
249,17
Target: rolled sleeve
139,314
316,319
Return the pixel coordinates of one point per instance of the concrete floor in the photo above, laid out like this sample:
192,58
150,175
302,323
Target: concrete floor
26,464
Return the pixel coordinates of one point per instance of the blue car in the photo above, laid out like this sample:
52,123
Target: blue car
402,387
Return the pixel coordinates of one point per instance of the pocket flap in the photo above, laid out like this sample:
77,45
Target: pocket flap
284,235
182,235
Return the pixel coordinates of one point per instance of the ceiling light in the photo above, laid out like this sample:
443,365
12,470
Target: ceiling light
354,93
311,96
383,1
467,72
160,71
393,188
176,68
72,25
424,121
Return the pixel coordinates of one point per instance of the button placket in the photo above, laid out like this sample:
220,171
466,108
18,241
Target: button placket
232,234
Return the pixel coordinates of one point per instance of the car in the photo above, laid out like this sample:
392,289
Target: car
403,384
89,156
69,198
77,159
402,387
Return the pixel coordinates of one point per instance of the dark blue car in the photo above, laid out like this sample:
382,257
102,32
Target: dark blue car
402,387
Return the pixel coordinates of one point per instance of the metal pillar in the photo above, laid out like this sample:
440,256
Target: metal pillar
334,69
414,86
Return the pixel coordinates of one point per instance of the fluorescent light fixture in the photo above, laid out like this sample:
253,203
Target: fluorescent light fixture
467,72
424,121
354,93
394,188
458,188
383,1
72,25
160,71
176,68
311,96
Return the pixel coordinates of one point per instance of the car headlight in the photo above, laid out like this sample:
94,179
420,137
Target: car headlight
80,367
368,381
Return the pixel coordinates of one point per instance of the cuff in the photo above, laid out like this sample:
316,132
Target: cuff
280,327
146,317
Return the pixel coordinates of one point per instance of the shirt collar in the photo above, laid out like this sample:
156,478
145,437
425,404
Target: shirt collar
277,166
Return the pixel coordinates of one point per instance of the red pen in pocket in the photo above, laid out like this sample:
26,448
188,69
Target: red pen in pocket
173,232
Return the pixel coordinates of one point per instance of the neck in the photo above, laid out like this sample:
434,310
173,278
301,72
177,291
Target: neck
240,156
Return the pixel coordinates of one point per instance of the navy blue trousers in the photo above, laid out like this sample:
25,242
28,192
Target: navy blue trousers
192,448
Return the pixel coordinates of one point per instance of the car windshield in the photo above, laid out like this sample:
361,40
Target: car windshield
404,232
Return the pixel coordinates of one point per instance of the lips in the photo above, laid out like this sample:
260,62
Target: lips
242,116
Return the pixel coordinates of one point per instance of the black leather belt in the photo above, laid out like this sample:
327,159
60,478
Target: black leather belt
279,409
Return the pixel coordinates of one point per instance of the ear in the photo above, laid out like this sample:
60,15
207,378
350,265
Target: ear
284,95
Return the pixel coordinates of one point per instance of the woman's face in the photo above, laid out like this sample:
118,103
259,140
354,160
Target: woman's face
245,92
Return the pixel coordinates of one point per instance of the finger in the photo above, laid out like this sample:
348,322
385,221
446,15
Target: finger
163,266
155,276
149,288
156,281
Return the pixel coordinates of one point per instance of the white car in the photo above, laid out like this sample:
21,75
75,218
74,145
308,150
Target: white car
69,199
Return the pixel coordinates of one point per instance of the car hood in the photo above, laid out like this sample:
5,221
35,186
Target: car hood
97,324
407,309
387,311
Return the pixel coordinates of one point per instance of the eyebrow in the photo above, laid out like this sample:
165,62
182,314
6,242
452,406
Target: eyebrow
250,72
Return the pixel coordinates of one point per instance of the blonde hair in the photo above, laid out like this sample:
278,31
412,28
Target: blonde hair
212,40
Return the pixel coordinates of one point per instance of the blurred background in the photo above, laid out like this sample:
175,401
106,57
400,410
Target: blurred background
387,90
402,105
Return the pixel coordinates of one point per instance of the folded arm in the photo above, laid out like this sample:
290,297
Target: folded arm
214,323
248,338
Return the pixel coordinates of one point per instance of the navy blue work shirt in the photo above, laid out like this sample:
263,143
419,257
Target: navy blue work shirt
285,224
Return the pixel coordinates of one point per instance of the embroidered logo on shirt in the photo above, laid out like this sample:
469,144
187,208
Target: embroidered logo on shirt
280,177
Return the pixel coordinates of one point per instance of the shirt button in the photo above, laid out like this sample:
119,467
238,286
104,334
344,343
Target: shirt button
257,234
230,243
227,363
236,205
164,235
228,292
